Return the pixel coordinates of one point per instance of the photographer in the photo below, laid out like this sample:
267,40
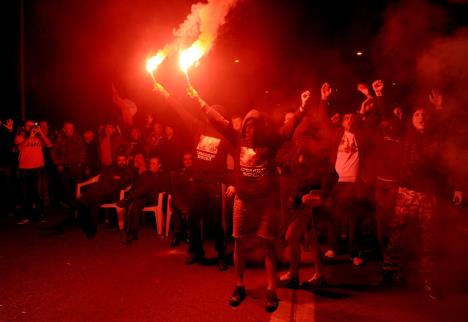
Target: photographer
30,141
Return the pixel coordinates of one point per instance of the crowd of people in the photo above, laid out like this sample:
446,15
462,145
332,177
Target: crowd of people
364,173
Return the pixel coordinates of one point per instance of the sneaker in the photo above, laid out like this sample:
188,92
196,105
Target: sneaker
237,296
23,221
272,301
288,281
315,282
329,254
358,261
222,266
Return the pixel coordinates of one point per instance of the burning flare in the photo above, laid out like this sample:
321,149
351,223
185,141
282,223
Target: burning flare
153,62
188,57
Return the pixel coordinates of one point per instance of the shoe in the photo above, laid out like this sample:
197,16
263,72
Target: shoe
222,266
272,301
286,280
315,282
237,296
358,261
23,221
329,254
192,259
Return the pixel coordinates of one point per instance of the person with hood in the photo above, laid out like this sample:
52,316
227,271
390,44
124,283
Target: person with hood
209,173
423,177
256,205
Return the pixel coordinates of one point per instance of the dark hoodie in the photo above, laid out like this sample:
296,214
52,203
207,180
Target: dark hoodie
255,171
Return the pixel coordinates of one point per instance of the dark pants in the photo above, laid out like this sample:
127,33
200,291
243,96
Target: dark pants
91,200
136,208
180,214
419,208
385,196
31,180
347,216
205,207
69,177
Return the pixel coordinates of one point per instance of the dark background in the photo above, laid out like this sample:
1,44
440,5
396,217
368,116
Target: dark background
76,49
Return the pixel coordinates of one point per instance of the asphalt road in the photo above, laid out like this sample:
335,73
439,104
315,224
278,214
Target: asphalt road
69,278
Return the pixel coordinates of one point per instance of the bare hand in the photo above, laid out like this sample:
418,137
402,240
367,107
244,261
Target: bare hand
192,92
9,125
230,191
335,118
457,198
325,91
378,87
363,89
398,112
159,88
436,98
304,98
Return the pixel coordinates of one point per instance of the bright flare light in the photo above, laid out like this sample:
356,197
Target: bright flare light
153,62
191,55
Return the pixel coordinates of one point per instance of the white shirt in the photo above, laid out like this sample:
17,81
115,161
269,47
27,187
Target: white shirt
347,158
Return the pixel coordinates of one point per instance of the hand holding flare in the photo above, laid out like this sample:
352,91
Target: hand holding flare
151,65
192,93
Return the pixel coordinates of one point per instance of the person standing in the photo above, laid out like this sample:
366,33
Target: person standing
30,142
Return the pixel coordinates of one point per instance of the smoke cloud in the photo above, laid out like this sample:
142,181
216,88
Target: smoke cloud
202,24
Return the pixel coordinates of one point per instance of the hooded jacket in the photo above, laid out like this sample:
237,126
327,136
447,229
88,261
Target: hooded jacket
255,171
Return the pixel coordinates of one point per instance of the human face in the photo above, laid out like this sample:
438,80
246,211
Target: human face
250,130
169,131
288,117
236,123
122,161
110,129
68,129
28,125
188,160
44,127
348,120
88,136
419,120
158,129
135,134
154,165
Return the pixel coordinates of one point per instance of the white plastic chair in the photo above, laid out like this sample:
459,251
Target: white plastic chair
120,211
157,210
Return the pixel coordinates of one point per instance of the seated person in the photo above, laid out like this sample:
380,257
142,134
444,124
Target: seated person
113,179
181,181
144,193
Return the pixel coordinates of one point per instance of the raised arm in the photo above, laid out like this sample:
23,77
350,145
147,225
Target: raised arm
287,130
215,118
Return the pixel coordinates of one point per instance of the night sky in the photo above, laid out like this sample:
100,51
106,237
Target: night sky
76,49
